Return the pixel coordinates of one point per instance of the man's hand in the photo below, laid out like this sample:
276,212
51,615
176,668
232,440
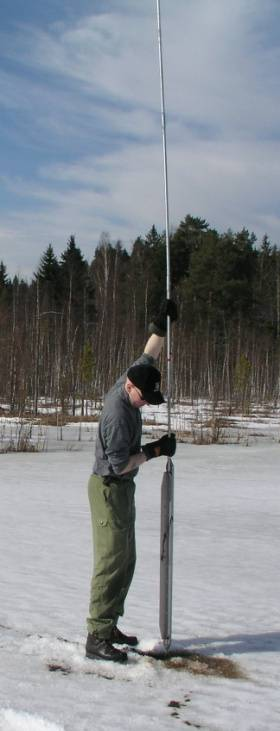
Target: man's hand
164,446
158,326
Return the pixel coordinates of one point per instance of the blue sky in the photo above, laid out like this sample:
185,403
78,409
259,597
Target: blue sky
80,134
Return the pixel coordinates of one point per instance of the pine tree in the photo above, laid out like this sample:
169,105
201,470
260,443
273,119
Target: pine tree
73,270
3,276
5,283
187,238
48,270
48,276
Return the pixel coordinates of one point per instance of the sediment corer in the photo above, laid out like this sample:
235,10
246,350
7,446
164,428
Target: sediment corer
167,486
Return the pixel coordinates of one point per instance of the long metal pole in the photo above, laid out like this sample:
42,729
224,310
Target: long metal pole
167,487
166,196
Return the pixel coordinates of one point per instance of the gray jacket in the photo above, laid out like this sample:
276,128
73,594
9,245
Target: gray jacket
120,429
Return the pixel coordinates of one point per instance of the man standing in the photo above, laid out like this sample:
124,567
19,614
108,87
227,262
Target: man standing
111,488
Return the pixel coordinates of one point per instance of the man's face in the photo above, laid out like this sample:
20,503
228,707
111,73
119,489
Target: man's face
135,396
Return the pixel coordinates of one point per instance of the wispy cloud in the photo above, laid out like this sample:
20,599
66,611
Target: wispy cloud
81,122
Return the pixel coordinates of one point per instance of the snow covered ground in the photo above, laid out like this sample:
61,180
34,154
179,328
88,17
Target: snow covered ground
226,592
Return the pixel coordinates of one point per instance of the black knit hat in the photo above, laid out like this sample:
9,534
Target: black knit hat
147,378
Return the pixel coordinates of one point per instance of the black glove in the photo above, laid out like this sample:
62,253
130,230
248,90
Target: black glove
158,325
165,445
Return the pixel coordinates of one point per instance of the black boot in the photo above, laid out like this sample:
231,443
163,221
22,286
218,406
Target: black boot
102,649
120,639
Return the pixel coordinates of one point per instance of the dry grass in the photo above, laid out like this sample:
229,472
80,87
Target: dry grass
198,664
63,419
20,445
21,440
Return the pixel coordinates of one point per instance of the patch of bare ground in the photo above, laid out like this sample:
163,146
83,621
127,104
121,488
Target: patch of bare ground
63,419
198,664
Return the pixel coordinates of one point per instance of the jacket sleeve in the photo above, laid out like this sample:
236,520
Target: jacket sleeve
144,359
117,440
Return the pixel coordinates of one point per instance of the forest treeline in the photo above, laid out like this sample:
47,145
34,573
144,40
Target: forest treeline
69,332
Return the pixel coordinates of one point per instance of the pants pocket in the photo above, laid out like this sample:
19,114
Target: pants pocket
119,498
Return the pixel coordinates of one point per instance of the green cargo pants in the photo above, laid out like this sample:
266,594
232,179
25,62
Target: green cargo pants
113,523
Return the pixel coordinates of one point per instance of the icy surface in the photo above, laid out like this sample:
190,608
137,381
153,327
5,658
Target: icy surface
226,594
